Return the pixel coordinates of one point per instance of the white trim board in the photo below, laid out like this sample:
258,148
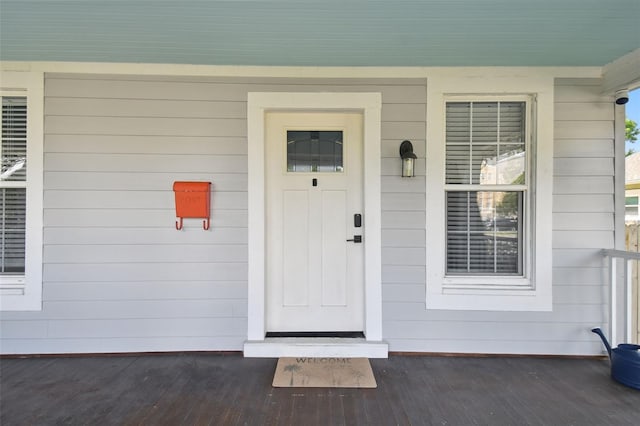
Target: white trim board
31,85
370,104
623,73
471,295
293,71
315,347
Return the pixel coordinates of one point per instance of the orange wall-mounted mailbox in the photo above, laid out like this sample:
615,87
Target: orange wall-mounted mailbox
193,200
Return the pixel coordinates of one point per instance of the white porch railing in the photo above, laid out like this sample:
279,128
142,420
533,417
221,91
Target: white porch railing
626,258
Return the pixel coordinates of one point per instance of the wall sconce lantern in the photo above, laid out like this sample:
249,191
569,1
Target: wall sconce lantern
408,159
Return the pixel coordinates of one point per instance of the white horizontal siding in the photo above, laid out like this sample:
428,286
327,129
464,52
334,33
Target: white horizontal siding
581,111
122,181
133,199
147,327
583,148
583,219
144,126
202,289
583,185
583,129
142,309
575,276
582,224
141,253
403,274
582,239
583,91
583,203
403,208
191,234
415,311
121,344
154,271
495,331
400,130
403,113
82,107
577,257
144,163
403,91
119,277
136,218
404,201
562,295
583,166
394,256
395,219
144,144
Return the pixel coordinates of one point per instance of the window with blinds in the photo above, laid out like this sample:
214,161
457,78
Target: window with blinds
485,187
13,183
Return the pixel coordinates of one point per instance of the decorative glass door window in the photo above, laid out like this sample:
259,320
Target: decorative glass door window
310,151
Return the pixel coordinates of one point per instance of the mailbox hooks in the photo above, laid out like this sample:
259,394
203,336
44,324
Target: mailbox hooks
206,224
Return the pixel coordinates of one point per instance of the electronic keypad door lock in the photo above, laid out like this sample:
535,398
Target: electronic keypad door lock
356,239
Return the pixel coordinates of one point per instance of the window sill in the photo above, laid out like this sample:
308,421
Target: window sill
15,295
485,283
12,281
488,298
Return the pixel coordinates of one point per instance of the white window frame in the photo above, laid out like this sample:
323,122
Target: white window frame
24,292
499,281
533,290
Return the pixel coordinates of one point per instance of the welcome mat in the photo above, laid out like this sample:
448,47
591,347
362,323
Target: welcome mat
324,373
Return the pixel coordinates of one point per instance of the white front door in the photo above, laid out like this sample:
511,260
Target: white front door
313,194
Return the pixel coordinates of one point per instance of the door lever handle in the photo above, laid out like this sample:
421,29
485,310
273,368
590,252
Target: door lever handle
356,239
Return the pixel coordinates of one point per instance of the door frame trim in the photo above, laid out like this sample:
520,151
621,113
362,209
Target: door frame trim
370,105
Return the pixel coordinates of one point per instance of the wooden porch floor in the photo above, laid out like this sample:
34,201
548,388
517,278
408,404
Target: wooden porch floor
227,389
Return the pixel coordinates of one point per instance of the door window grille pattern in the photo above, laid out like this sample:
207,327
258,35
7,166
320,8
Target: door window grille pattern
314,151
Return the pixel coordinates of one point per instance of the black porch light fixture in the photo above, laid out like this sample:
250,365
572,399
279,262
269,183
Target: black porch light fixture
408,159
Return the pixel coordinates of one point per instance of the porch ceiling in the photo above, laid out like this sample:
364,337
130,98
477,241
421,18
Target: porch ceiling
322,33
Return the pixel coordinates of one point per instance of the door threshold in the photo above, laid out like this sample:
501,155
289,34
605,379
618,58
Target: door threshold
338,334
325,347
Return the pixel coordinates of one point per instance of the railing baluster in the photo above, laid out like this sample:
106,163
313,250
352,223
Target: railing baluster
613,310
629,299
627,257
